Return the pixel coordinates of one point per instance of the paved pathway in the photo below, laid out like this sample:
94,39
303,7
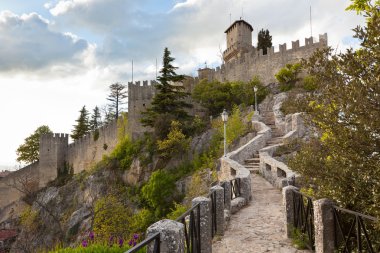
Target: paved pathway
259,227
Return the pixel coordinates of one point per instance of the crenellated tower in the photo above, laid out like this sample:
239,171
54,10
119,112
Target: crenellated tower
239,40
52,157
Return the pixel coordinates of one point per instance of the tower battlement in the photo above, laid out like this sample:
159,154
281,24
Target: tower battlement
246,65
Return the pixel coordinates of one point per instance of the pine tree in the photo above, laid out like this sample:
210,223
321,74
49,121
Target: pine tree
95,119
82,127
168,104
116,97
264,40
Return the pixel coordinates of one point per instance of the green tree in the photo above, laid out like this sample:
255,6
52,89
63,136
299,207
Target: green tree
214,96
29,151
95,121
264,40
345,113
160,192
82,127
169,103
111,218
175,144
117,96
288,76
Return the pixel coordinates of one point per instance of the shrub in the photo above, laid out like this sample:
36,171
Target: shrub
125,151
160,192
310,83
288,76
177,211
111,218
175,143
141,221
95,248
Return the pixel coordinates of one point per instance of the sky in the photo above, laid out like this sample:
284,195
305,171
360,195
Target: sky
59,55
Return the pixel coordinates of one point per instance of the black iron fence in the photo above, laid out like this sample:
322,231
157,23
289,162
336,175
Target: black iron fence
355,232
192,222
235,188
152,241
212,197
304,218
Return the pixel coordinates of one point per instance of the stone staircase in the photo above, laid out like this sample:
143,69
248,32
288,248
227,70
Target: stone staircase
253,164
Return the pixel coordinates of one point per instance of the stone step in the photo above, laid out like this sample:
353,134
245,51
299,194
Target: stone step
252,168
254,171
255,159
252,164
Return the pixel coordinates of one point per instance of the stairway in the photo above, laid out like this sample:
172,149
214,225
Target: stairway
253,164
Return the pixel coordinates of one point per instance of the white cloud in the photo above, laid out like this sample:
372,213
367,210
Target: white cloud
28,44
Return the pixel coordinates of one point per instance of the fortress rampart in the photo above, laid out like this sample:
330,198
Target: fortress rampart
55,153
255,63
139,98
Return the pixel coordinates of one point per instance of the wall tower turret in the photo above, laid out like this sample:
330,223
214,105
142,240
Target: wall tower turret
239,40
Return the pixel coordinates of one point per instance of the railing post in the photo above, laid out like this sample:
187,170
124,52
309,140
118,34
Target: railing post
219,191
324,225
227,195
205,223
245,188
172,236
288,200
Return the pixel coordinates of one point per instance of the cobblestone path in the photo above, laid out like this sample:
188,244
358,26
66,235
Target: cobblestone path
259,227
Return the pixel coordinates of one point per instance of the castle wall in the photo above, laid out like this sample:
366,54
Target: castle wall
87,151
254,63
139,98
25,177
53,152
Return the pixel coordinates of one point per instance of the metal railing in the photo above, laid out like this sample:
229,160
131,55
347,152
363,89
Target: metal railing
352,234
192,228
147,243
304,217
235,188
212,197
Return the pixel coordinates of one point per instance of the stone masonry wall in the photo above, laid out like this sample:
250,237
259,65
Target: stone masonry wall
9,193
87,151
55,152
266,66
139,98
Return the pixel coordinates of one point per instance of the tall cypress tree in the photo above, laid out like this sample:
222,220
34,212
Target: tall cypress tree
82,127
264,40
169,103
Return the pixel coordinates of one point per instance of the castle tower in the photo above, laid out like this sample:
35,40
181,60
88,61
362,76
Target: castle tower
53,154
239,40
206,73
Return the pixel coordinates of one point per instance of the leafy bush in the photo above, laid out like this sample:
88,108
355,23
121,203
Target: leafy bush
177,211
160,192
310,83
95,248
295,103
175,143
216,96
288,76
125,152
112,218
141,221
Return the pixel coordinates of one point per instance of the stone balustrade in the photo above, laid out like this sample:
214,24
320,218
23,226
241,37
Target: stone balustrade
276,172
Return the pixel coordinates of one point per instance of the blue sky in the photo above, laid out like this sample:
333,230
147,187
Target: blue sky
58,55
